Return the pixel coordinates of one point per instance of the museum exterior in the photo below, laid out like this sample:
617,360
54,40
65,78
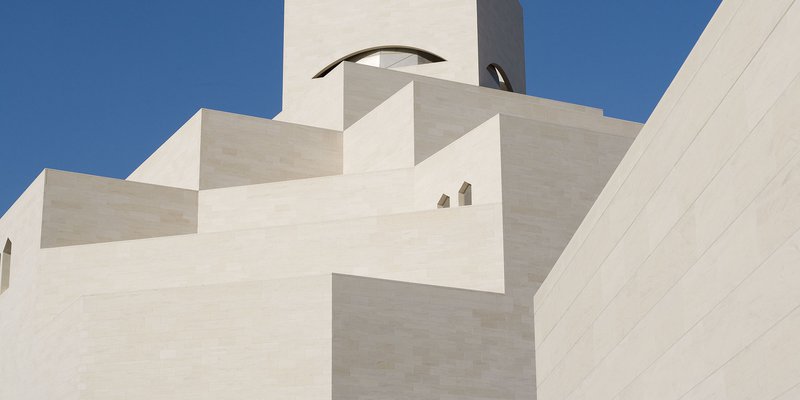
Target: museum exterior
413,226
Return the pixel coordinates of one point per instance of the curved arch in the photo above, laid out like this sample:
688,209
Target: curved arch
424,57
500,77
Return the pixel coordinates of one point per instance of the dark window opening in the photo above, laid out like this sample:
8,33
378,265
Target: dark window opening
5,270
500,77
386,57
465,195
444,202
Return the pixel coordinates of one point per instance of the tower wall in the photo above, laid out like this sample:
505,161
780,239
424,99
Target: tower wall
467,34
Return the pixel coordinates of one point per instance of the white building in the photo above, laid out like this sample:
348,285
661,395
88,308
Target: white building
385,236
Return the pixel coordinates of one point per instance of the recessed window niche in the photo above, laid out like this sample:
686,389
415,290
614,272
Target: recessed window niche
444,201
5,270
500,77
465,195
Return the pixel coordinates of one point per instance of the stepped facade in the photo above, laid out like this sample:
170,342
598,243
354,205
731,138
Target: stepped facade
382,237
413,226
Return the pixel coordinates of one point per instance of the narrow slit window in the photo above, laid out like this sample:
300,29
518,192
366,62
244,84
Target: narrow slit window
5,260
444,201
465,195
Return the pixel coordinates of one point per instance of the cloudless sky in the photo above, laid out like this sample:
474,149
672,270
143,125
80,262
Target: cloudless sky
95,86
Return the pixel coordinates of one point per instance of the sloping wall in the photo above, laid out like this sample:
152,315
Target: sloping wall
683,280
241,150
217,149
176,162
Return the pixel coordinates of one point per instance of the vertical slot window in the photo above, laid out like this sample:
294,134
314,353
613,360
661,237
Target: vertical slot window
5,272
465,195
444,202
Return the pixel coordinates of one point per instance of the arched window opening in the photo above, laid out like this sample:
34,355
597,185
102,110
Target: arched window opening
500,77
444,202
386,57
5,272
465,195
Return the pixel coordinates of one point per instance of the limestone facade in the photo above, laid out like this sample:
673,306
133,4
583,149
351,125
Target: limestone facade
391,233
683,280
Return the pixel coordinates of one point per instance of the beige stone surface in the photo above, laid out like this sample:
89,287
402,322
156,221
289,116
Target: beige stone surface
551,176
307,256
228,341
307,201
426,116
677,285
176,162
352,90
240,150
467,34
384,138
470,256
22,364
475,158
82,209
399,340
219,149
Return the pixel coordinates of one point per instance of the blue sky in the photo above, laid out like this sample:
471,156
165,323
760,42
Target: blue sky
95,86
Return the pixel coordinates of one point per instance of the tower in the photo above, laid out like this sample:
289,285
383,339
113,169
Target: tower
477,42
